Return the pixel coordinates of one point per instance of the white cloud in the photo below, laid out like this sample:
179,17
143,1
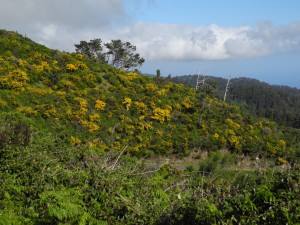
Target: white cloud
70,13
181,42
60,24
48,32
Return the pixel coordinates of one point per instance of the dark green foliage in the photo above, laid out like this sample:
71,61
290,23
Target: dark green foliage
122,54
212,163
15,129
93,48
277,103
91,188
119,54
262,202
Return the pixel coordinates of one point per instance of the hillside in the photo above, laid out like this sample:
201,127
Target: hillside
94,104
71,128
277,103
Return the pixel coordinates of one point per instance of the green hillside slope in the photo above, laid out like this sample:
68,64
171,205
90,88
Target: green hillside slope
96,106
73,132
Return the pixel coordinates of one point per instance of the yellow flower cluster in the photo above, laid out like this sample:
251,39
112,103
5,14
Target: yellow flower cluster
159,133
100,105
146,126
94,117
82,92
67,83
22,63
61,94
129,129
132,75
27,110
75,140
82,107
162,92
44,66
151,87
71,67
216,135
79,65
281,161
169,85
14,79
233,124
37,55
55,65
39,91
50,113
168,107
141,106
37,68
187,103
90,125
281,144
2,103
89,78
79,56
127,102
161,115
230,132
82,102
127,76
280,147
152,105
177,106
233,139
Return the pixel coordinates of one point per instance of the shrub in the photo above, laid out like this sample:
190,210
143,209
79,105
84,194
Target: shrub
100,105
15,129
211,163
14,79
161,115
71,67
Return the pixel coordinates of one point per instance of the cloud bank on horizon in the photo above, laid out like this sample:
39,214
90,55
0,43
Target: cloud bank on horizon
60,24
213,42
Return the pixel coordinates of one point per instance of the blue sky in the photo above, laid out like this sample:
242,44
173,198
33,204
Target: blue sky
278,68
256,39
221,12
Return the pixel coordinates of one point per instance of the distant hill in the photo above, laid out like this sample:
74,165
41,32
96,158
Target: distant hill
277,103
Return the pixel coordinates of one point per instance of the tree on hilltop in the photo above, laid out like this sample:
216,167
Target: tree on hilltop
122,54
93,48
119,54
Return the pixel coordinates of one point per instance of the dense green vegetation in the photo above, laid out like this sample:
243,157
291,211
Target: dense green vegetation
277,103
76,134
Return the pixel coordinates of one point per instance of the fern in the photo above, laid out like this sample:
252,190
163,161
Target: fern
63,205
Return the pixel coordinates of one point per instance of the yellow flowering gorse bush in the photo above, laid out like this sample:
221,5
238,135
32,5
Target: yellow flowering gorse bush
71,67
14,79
161,115
127,102
27,110
100,105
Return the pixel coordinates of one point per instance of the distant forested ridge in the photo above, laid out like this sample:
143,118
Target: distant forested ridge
277,103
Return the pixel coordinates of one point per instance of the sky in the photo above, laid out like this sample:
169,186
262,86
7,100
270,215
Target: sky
258,39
